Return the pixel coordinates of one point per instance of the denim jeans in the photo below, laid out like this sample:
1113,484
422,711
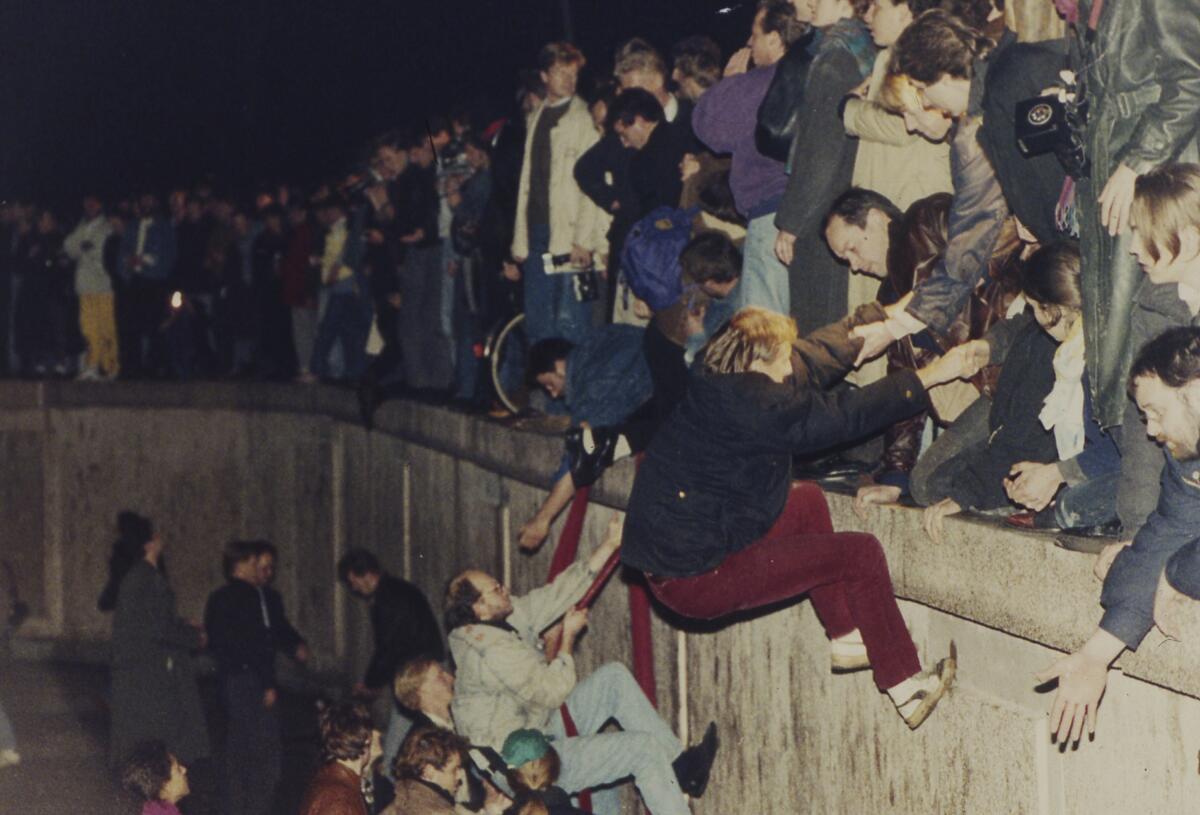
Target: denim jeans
764,279
397,728
551,309
344,323
644,749
426,350
8,739
1088,503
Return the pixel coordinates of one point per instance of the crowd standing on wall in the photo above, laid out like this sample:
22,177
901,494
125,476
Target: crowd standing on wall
847,188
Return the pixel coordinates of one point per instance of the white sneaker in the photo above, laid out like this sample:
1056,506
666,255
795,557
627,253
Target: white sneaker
9,758
88,375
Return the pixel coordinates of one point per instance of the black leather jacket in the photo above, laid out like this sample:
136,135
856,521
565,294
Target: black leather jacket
1140,72
781,106
1142,78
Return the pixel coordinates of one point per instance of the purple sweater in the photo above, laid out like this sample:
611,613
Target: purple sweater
724,119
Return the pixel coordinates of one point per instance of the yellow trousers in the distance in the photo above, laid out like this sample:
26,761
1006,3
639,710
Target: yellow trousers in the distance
98,323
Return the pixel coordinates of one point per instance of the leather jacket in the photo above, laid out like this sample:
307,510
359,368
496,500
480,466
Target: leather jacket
978,213
781,106
914,243
1140,73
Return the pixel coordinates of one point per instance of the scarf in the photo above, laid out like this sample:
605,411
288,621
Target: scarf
1062,411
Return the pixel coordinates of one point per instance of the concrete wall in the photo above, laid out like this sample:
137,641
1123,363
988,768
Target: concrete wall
434,492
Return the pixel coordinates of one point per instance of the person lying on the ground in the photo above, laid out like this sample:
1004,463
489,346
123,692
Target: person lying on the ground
715,524
505,683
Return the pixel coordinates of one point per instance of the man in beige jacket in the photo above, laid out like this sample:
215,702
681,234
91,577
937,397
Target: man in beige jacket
553,214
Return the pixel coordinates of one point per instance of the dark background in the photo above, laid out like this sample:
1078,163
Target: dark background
118,95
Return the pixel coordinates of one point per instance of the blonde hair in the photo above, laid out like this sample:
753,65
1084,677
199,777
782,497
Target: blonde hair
751,334
409,679
1166,201
537,774
899,95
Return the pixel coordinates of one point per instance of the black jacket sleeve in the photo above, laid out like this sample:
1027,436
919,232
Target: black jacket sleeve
818,420
1169,124
404,628
780,108
287,639
236,634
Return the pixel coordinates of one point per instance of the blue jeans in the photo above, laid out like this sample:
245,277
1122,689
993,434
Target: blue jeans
551,309
8,739
764,279
644,749
397,728
345,321
1088,503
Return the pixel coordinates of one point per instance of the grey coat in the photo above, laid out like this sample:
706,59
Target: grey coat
1141,74
154,693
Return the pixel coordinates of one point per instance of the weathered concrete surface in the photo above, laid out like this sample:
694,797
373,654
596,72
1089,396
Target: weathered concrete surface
434,492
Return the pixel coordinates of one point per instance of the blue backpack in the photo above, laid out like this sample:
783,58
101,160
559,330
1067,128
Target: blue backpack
650,259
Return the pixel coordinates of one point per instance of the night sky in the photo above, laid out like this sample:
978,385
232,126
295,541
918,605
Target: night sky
115,95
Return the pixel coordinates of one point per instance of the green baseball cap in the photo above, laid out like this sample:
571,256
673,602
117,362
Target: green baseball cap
523,746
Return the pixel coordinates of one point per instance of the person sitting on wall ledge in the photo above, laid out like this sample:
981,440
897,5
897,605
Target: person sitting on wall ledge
505,683
717,526
1165,380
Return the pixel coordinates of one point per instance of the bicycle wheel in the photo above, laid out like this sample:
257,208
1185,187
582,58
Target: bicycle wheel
508,353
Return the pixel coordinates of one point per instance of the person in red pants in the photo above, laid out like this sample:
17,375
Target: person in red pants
717,526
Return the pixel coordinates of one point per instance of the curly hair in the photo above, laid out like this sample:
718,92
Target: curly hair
427,746
345,731
459,605
147,770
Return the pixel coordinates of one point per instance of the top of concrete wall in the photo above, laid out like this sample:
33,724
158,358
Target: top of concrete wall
1020,583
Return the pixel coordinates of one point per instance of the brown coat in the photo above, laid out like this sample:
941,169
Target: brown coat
916,242
416,798
334,790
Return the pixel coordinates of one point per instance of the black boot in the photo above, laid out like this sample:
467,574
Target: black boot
694,764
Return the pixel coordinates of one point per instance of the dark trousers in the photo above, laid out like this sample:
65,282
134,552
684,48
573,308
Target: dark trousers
253,749
844,573
147,309
347,320
426,351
